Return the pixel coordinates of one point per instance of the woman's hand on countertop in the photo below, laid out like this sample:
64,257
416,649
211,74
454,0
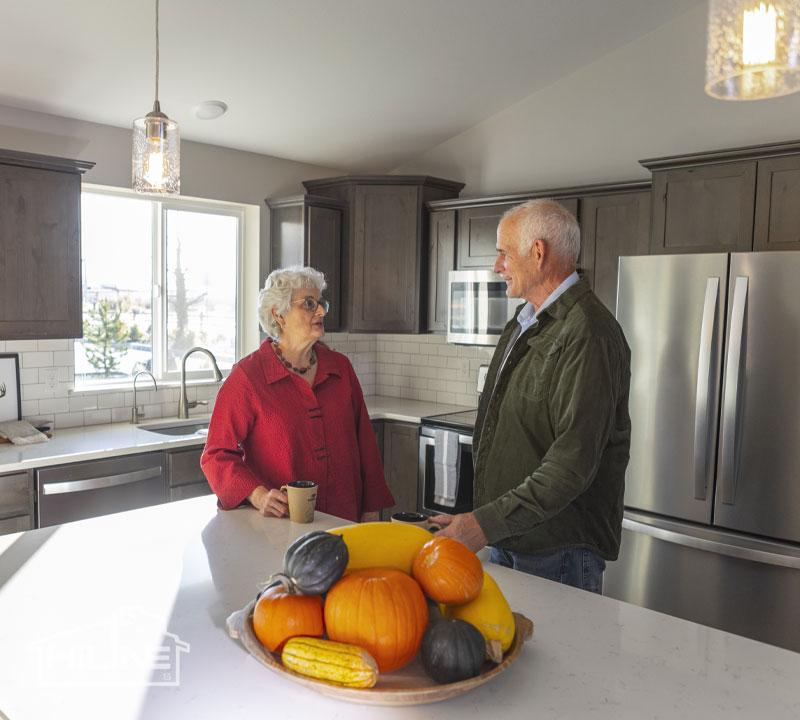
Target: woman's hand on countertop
370,516
270,503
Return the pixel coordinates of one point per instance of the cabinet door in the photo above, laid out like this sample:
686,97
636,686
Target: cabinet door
441,260
184,492
704,209
16,524
612,225
40,253
183,467
777,224
401,466
324,253
16,494
477,236
385,292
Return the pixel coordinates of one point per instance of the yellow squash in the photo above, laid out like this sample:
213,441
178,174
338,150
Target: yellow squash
382,545
334,662
490,613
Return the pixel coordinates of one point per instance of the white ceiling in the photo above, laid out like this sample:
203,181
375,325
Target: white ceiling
360,85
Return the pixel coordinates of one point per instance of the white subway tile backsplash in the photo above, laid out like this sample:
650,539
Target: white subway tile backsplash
20,346
82,402
111,400
52,345
97,417
70,419
36,359
64,357
53,405
28,376
30,407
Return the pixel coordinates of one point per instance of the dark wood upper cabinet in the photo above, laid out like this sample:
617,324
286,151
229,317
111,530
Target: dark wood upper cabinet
385,248
777,223
40,246
441,260
612,226
307,230
704,209
477,236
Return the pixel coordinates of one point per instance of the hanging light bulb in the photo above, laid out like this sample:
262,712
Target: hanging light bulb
156,147
753,49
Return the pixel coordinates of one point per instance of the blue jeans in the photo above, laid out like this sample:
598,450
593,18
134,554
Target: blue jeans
577,567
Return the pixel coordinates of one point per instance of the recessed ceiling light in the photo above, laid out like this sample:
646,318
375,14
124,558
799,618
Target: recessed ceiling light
210,109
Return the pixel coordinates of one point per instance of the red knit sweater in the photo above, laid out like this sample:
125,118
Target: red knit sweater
270,427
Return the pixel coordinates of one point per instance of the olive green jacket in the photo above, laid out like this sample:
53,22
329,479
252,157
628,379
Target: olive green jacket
552,435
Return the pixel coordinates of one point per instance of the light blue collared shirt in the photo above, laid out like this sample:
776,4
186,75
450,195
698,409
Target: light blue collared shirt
529,315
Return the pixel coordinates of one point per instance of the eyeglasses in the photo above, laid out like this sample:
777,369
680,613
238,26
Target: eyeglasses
311,304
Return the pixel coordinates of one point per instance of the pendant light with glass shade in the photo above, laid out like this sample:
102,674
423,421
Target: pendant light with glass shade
156,148
753,49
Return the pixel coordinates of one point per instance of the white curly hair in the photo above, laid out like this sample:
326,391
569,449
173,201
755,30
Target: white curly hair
277,293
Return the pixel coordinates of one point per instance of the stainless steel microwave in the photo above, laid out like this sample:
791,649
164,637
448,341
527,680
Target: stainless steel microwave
477,307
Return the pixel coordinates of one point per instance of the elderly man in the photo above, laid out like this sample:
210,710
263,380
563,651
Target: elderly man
552,436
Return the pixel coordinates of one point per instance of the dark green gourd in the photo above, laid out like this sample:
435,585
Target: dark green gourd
314,562
452,650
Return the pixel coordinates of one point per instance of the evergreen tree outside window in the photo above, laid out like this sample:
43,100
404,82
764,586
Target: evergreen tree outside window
159,276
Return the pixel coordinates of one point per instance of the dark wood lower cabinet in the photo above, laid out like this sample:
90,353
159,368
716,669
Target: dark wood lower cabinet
185,477
612,226
400,465
16,502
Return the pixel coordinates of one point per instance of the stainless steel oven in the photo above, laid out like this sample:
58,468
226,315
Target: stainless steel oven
460,423
477,307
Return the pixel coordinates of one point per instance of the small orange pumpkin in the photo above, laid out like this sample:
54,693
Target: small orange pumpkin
448,571
280,615
381,610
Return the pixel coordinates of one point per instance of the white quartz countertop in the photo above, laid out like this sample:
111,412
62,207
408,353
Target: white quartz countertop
85,606
100,441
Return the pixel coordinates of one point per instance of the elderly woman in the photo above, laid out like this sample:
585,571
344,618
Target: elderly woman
294,410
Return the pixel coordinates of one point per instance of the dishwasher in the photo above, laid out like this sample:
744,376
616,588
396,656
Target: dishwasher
99,487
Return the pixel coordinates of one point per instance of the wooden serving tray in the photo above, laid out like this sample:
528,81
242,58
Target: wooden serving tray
6,440
409,685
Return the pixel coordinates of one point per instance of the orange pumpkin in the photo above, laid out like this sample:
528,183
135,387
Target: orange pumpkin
381,610
280,615
448,571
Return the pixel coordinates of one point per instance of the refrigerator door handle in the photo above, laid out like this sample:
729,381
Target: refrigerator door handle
733,372
703,401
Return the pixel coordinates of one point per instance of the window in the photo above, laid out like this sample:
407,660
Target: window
159,277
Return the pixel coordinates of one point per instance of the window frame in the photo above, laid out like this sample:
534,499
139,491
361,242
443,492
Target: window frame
158,282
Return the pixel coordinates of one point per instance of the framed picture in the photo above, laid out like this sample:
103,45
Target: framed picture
10,398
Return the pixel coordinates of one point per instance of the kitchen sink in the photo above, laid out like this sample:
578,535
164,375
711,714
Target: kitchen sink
178,428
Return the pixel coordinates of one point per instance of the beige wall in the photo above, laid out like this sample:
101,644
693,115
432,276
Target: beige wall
643,100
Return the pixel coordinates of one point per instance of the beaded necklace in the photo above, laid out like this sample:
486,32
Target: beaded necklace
298,370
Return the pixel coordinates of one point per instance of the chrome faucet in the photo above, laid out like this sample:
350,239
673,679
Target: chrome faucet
183,403
135,414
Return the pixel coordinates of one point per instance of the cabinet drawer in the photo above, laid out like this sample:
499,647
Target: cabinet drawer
183,467
184,492
16,524
16,495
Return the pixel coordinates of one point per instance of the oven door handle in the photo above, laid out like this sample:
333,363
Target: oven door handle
462,440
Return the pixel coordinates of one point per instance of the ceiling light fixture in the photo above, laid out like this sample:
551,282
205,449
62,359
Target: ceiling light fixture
210,110
753,49
156,148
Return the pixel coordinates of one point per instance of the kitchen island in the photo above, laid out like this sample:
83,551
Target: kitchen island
84,607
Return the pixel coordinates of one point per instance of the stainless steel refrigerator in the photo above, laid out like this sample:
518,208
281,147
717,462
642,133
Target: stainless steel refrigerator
712,524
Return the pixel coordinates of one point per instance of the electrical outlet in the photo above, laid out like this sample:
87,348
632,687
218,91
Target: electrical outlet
50,381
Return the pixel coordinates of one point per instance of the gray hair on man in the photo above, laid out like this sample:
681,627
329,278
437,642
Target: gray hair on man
549,221
277,293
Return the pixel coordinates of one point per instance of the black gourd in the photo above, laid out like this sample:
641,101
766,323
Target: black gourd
452,650
314,562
